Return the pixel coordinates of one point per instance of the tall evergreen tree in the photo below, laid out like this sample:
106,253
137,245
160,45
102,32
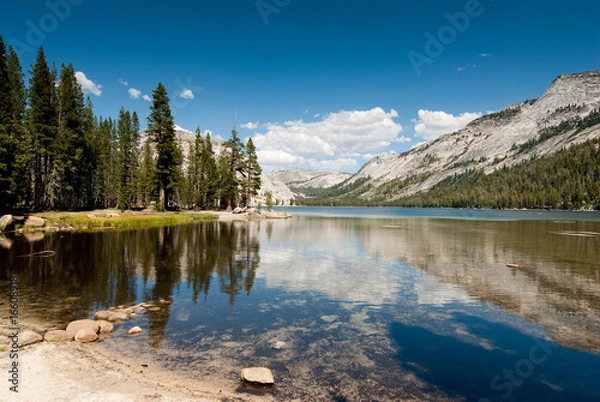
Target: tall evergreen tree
20,179
252,173
209,175
124,127
147,173
68,178
234,162
168,161
7,143
41,121
134,174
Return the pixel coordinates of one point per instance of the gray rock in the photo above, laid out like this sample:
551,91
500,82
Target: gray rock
29,338
59,335
34,221
92,325
86,335
237,210
257,375
5,222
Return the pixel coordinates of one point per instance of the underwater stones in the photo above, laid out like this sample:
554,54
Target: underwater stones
118,316
59,335
257,375
29,338
86,335
134,331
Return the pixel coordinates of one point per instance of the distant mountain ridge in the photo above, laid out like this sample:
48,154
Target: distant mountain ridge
514,135
307,178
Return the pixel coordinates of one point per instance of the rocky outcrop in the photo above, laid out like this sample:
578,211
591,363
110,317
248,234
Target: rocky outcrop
308,178
490,142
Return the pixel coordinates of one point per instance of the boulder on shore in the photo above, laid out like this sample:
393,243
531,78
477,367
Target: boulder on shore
59,335
86,335
258,375
29,338
92,325
34,221
5,222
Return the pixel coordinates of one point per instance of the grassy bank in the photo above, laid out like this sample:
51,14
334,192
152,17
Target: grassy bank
99,220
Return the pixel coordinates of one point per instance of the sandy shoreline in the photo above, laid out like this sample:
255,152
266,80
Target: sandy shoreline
86,372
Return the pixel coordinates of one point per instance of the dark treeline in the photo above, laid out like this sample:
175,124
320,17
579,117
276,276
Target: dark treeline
55,154
568,179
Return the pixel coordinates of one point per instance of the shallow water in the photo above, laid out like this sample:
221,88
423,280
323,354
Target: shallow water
343,307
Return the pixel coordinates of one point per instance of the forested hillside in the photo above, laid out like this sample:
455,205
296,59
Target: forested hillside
55,154
567,179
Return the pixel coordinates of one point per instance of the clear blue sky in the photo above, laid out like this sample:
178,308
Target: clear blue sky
323,84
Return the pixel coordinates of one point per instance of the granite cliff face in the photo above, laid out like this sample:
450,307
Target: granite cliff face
307,178
494,140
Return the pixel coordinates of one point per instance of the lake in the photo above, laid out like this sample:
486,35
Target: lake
344,304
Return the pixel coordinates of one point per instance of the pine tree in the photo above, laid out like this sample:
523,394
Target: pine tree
134,174
68,178
41,121
234,161
7,141
20,179
192,188
210,175
168,161
252,174
147,173
124,127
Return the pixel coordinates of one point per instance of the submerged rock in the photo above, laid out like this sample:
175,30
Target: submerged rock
86,335
29,338
135,331
258,375
59,335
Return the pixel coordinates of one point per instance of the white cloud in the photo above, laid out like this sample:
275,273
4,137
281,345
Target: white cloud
146,98
485,55
431,125
338,164
402,140
250,125
337,133
280,158
88,85
186,94
121,81
134,93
